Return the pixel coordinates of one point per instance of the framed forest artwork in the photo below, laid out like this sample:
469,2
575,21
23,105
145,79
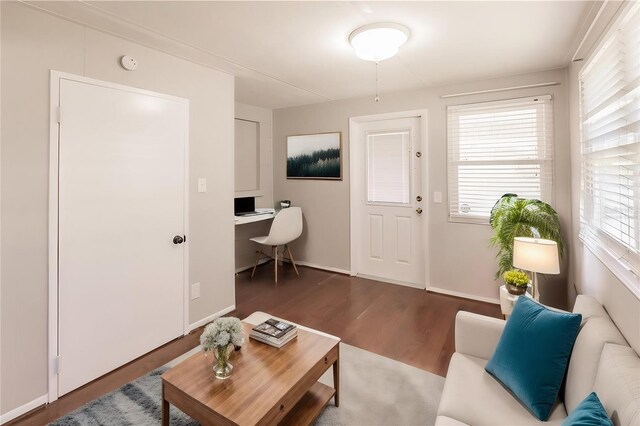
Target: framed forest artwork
317,156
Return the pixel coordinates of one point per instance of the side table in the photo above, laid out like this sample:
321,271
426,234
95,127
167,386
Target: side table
508,300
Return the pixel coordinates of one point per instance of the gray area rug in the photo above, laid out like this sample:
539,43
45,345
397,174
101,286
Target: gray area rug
374,390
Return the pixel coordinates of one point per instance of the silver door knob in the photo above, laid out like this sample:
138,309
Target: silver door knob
419,210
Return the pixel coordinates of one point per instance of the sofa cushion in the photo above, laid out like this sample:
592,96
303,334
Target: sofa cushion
448,421
472,396
532,354
618,384
583,364
589,412
589,307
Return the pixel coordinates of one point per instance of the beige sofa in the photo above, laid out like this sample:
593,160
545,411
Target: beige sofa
601,361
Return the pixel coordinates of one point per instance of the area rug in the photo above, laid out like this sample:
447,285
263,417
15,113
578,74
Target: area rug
374,390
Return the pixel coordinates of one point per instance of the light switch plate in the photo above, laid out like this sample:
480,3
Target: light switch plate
437,197
202,184
195,291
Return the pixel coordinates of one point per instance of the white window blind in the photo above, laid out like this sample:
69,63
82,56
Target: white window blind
388,167
610,115
496,148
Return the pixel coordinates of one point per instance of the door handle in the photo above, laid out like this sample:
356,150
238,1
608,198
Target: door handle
178,239
419,210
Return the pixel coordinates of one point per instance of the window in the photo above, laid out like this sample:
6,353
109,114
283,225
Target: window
610,137
496,148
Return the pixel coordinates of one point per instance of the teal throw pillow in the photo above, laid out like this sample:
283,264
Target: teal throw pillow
533,353
589,412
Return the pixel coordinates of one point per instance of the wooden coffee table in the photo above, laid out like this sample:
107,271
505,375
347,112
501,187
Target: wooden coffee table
268,386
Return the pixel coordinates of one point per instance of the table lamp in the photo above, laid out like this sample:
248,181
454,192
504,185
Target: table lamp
537,256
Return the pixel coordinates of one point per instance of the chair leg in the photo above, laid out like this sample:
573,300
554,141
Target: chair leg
258,253
274,252
295,268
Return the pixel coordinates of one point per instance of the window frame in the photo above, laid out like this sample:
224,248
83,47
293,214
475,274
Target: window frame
609,250
545,164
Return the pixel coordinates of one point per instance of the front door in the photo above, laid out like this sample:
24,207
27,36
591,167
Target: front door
390,219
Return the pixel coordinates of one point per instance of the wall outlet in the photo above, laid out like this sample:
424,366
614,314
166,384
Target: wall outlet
195,291
437,197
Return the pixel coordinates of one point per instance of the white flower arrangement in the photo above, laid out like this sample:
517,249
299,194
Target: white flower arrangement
222,332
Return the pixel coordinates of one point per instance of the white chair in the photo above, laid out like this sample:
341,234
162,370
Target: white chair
286,227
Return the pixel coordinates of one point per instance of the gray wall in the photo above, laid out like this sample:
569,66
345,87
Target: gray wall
32,44
461,261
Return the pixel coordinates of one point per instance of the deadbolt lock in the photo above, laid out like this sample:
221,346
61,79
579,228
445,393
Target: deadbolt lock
418,154
418,198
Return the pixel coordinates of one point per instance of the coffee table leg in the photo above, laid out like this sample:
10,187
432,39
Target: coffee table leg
336,381
165,409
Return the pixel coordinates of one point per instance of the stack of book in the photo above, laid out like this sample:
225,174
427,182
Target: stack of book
274,332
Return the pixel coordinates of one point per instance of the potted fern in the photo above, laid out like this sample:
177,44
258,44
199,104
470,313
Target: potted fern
514,217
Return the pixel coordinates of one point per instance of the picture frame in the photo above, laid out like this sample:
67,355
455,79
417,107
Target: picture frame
315,156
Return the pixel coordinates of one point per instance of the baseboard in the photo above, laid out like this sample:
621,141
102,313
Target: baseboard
324,268
391,281
464,295
210,318
23,409
247,267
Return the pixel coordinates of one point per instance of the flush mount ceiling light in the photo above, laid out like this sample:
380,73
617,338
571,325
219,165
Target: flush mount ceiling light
377,42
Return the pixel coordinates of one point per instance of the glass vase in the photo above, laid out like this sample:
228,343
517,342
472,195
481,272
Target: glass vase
222,367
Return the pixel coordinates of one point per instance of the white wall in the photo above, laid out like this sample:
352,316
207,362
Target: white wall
461,261
245,250
32,44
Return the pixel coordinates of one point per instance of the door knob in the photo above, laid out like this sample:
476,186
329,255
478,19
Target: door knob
178,239
419,210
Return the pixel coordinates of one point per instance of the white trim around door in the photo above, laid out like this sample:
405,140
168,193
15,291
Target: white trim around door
54,132
355,150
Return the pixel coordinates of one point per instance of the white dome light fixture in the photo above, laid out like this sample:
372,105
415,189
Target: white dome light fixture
380,41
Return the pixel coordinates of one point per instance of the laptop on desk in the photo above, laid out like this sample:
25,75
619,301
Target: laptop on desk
246,206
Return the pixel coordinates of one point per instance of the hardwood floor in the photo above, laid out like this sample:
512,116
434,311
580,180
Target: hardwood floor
409,325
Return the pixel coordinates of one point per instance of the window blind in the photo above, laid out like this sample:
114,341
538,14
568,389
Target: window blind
610,137
496,148
388,167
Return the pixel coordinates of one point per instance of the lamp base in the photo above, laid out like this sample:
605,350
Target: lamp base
535,290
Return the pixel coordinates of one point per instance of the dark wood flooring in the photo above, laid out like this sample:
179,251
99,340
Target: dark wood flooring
409,325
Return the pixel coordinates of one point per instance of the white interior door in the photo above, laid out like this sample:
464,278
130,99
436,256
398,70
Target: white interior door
121,183
390,220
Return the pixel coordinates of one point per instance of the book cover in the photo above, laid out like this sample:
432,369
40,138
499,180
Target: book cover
271,341
274,328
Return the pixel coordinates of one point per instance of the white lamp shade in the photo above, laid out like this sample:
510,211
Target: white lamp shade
377,42
536,255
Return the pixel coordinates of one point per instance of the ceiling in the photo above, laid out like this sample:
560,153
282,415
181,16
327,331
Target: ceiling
293,53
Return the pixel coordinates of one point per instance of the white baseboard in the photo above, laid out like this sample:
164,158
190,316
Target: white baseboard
325,268
391,281
210,318
244,268
23,409
464,295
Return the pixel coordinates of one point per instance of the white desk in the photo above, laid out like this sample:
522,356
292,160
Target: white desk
270,214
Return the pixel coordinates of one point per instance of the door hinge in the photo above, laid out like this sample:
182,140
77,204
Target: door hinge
59,114
56,364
